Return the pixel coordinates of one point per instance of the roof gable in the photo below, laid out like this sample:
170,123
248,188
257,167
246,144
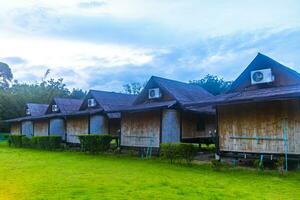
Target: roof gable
108,100
283,75
36,109
173,90
65,105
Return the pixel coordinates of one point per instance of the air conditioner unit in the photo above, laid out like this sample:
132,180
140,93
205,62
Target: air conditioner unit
154,93
262,76
91,103
28,111
54,108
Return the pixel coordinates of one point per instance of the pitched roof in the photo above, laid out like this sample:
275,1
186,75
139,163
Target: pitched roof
67,105
112,100
181,92
36,109
260,62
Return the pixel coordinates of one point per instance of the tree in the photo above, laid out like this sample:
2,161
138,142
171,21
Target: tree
5,75
213,84
133,88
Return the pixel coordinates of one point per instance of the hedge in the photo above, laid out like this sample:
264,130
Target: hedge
178,151
95,143
41,142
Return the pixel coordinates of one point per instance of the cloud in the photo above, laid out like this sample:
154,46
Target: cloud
91,4
14,60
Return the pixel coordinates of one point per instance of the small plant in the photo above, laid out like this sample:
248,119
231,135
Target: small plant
170,151
187,152
280,165
216,165
26,142
258,164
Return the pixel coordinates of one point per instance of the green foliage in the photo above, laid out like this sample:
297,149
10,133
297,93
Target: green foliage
217,165
95,143
15,140
134,88
280,165
258,164
26,142
177,152
46,142
213,84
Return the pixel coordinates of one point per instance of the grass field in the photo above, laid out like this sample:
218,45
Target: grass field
34,174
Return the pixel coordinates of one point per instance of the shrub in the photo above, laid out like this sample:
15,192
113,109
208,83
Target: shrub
15,140
170,151
47,142
280,165
94,143
26,141
104,143
216,165
187,152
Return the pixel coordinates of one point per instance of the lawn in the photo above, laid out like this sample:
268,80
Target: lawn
34,174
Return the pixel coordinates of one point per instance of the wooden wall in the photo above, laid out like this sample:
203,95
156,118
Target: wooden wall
264,119
75,127
170,125
137,129
190,122
40,128
98,124
15,128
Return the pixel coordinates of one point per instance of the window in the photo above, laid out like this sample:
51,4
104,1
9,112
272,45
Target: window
28,111
54,108
91,103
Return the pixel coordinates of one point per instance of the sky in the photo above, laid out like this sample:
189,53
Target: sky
104,44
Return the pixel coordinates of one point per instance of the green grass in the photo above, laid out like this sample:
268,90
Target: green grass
34,174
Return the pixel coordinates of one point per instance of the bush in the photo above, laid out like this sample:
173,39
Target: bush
216,165
26,142
15,140
280,165
178,151
47,142
95,143
187,152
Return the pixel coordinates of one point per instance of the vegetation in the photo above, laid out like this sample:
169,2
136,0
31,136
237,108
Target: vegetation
134,88
32,174
95,143
213,84
40,142
178,152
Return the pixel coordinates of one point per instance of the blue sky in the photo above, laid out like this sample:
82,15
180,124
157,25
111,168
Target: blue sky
105,44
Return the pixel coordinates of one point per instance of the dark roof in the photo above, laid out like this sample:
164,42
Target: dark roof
36,109
273,92
148,106
181,92
112,100
259,62
67,105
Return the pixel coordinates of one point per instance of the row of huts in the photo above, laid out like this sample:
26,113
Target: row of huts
259,114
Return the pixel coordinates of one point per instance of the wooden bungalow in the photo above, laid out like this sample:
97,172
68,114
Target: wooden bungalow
25,125
95,116
260,113
58,122
157,115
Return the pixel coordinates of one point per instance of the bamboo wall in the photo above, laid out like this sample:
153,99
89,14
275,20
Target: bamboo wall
15,129
189,125
140,129
40,128
75,127
264,119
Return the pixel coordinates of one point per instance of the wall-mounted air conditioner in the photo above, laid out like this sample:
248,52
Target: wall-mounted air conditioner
54,108
28,111
154,93
91,103
262,76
